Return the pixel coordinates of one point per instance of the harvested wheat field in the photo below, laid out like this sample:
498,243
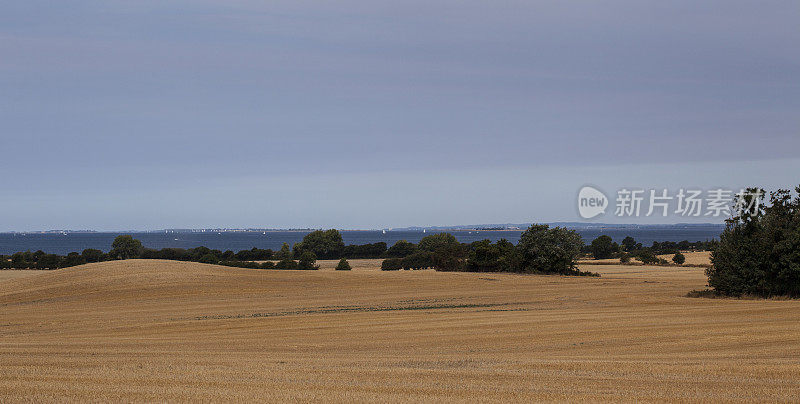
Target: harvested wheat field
171,331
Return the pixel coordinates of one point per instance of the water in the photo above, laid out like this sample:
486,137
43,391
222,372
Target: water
63,244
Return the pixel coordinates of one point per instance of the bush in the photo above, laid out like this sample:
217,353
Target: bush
647,257
547,250
208,259
343,265
759,251
241,264
267,265
392,264
307,261
678,258
286,264
418,260
624,258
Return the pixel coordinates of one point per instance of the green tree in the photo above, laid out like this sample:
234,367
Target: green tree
343,265
436,241
287,263
392,264
92,255
307,261
209,259
126,247
547,250
678,258
759,251
602,247
325,244
73,259
285,253
401,249
629,243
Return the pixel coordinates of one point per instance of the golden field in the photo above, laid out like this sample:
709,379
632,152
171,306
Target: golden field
173,331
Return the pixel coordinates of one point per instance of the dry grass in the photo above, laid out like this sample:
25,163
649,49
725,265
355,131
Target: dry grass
175,331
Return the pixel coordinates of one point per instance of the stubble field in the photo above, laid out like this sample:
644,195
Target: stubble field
164,331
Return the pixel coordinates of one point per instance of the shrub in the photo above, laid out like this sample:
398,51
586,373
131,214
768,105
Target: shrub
241,264
391,264
547,250
307,261
647,257
678,258
286,264
209,259
267,265
418,260
624,258
343,265
373,250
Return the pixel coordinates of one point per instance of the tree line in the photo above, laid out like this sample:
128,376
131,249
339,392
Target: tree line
603,247
541,249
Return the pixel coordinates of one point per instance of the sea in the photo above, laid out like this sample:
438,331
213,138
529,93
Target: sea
66,242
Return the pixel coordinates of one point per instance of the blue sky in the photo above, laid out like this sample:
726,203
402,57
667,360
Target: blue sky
369,114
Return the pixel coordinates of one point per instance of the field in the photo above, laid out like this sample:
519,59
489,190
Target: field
165,331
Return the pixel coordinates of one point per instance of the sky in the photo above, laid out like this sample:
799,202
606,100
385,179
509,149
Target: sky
373,114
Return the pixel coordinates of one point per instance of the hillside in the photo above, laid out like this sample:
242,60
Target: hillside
162,330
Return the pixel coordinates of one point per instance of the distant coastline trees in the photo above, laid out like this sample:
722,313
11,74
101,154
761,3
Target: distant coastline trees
541,249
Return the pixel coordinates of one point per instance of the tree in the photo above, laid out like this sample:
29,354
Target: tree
436,241
602,247
72,259
759,251
647,257
629,243
325,244
285,253
418,260
126,247
401,249
49,261
343,265
307,261
92,255
209,259
678,258
547,250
